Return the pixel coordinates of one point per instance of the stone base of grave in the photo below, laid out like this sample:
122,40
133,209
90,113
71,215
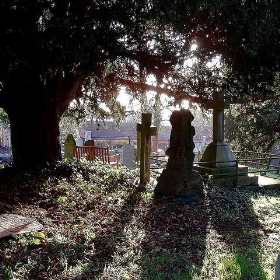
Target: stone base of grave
218,154
219,162
169,185
226,176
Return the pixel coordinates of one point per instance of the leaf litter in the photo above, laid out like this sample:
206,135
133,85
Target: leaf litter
98,225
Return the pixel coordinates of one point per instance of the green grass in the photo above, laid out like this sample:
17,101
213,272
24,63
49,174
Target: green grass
237,266
98,225
260,171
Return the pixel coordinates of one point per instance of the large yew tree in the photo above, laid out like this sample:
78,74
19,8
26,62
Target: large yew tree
55,51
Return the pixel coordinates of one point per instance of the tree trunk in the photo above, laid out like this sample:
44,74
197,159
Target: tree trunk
34,135
34,112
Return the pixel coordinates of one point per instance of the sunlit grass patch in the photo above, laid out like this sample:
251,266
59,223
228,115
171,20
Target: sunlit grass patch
236,266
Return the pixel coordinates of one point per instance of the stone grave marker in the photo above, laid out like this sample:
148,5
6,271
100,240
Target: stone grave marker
274,161
277,268
179,178
128,159
80,142
69,147
87,135
218,160
144,132
217,153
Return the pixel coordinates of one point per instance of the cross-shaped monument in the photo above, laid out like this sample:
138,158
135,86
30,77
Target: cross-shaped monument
218,159
144,132
217,153
218,105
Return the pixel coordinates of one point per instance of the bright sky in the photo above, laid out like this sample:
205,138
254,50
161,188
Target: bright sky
125,100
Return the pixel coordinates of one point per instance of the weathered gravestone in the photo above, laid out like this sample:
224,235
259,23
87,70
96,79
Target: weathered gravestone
69,147
144,132
179,178
80,142
277,268
128,159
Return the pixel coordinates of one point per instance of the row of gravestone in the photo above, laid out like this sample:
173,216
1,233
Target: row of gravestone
178,178
127,154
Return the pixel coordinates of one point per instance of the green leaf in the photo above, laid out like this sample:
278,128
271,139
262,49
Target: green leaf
39,234
36,241
62,199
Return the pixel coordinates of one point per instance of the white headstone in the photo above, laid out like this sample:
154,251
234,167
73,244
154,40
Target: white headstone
128,156
80,142
87,135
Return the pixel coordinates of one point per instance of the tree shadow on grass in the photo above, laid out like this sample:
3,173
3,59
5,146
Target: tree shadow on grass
170,238
215,238
109,258
172,243
174,247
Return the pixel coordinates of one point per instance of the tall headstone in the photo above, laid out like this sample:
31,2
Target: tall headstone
179,178
69,147
128,159
154,141
218,153
277,268
144,132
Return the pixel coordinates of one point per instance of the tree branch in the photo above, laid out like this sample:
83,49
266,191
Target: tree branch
134,86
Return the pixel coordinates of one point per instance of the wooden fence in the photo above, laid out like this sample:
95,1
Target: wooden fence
92,153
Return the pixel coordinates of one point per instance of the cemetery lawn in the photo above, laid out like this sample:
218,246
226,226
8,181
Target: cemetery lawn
98,225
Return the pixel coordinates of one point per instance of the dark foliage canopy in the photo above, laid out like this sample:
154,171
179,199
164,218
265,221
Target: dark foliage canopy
255,127
53,52
100,42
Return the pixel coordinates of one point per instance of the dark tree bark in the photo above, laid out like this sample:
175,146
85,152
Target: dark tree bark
35,135
34,112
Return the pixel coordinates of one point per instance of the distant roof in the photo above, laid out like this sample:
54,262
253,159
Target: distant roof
128,130
110,131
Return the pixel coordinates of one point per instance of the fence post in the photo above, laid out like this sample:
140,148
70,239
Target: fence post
246,154
268,161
